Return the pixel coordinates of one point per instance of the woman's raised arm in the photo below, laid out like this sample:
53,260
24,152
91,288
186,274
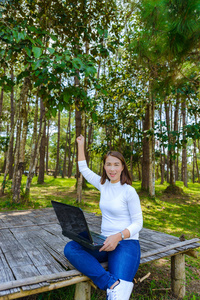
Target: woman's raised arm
81,149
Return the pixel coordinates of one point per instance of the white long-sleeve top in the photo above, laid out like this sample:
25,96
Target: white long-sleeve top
119,204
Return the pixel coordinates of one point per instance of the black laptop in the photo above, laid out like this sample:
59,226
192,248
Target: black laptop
75,227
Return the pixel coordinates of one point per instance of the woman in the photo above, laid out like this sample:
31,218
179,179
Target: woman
121,223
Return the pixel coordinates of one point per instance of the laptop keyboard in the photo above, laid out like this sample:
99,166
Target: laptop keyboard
97,238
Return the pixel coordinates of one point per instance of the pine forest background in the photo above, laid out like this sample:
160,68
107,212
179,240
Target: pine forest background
125,74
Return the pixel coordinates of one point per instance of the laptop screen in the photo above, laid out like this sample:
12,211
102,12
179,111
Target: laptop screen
71,219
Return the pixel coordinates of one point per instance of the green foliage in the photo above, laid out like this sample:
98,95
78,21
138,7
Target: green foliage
184,26
4,143
49,58
193,131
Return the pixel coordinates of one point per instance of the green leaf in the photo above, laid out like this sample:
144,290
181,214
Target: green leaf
21,35
51,50
90,70
2,52
98,86
54,37
31,40
54,112
67,57
77,63
60,107
94,117
36,64
15,34
66,97
37,52
105,92
28,51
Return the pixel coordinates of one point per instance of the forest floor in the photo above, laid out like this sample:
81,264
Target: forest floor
174,212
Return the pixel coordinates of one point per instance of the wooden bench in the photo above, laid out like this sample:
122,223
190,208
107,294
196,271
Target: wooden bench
32,260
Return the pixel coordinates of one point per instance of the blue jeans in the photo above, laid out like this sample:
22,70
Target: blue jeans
123,262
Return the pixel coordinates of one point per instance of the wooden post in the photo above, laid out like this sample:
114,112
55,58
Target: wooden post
178,275
83,291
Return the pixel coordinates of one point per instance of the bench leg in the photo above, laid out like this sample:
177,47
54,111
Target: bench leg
83,291
178,275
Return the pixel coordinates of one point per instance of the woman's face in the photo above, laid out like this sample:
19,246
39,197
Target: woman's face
113,167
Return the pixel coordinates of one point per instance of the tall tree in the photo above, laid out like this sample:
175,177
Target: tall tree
11,157
184,149
42,144
58,149
21,141
35,149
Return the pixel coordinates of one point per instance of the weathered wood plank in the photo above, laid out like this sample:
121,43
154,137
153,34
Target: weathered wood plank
52,286
16,257
26,271
5,234
170,247
59,256
54,268
169,253
3,262
157,237
38,279
6,275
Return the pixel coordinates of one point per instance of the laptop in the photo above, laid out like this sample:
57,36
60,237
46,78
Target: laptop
75,227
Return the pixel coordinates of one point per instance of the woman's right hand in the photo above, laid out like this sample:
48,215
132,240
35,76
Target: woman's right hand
80,140
81,151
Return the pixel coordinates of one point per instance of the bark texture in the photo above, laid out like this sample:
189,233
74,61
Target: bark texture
42,145
21,141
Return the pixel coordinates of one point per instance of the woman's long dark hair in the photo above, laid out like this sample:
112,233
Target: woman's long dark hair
125,175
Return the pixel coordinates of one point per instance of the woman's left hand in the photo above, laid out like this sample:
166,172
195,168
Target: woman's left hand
111,242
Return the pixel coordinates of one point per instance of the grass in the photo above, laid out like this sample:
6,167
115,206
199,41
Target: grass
174,214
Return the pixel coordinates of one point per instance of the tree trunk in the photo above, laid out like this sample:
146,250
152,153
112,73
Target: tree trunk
79,176
8,151
78,120
170,147
58,149
148,162
195,162
67,142
184,149
11,157
1,106
16,153
70,152
20,150
90,140
72,161
42,145
176,118
33,150
162,154
177,165
1,101
47,147
152,148
145,144
167,161
36,143
131,159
